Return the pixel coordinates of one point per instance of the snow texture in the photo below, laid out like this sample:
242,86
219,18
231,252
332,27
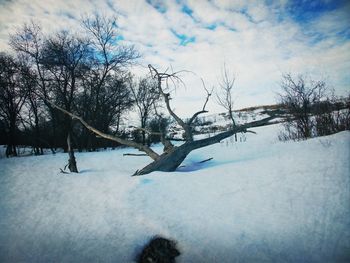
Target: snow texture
258,200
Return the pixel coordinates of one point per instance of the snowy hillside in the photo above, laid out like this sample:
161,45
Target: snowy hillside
212,123
259,200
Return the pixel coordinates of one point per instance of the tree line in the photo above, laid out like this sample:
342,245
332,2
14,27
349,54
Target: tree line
312,109
87,74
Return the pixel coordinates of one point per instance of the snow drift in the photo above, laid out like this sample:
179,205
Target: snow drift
257,201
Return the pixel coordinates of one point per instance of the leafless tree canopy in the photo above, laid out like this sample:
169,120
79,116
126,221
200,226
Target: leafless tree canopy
145,95
14,87
312,109
224,97
85,74
298,97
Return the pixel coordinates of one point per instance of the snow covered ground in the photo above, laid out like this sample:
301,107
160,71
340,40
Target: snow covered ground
257,201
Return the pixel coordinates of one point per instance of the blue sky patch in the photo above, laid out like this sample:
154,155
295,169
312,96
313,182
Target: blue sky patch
344,34
185,9
158,5
244,11
211,26
305,11
184,39
117,39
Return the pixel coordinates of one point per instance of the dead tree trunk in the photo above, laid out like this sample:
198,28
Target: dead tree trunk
72,164
11,147
173,156
170,161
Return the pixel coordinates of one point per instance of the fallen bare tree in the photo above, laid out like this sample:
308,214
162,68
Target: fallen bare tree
172,156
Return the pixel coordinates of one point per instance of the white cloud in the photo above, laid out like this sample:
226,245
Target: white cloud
248,36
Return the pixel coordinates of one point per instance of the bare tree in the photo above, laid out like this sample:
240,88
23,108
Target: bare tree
33,109
157,127
71,69
331,115
13,92
298,98
224,96
144,94
105,110
109,54
28,42
172,156
106,94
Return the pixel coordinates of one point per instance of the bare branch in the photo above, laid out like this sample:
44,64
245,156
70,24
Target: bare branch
208,94
134,154
206,160
164,76
191,120
138,146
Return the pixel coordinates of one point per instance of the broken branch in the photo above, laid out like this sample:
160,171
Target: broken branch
206,160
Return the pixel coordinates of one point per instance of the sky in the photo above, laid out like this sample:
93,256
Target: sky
257,41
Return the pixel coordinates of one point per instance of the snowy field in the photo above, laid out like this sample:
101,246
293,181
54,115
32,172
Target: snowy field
257,201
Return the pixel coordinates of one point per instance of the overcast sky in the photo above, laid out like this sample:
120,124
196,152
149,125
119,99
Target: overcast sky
256,40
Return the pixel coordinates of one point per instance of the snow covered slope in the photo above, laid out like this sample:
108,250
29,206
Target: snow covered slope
258,200
211,123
